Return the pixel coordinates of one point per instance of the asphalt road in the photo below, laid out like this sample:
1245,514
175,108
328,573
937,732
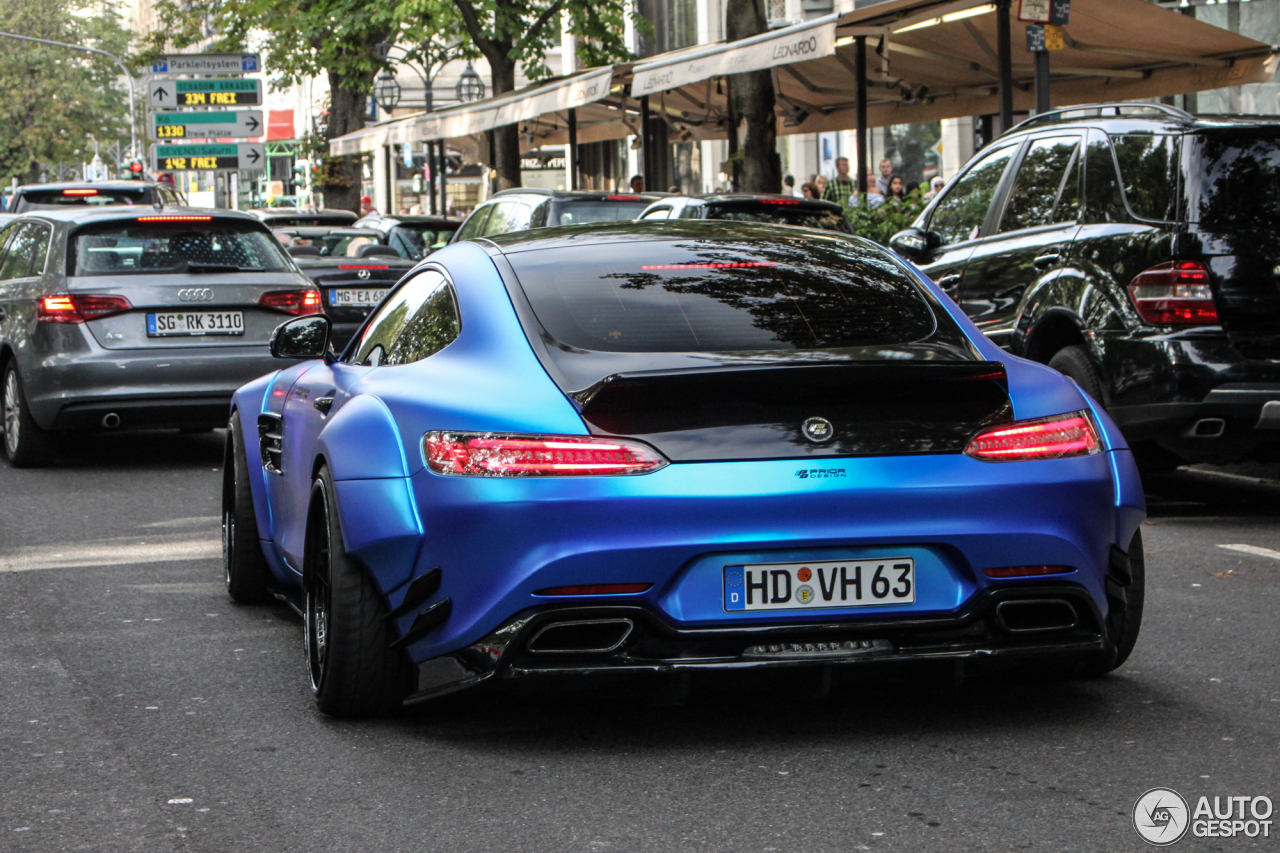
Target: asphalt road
143,711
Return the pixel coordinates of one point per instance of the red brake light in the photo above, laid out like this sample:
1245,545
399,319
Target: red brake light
78,307
596,589
708,266
363,267
80,192
1175,293
1055,437
624,198
779,201
175,218
292,301
490,455
1026,571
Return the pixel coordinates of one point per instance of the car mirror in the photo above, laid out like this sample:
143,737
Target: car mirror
301,337
914,243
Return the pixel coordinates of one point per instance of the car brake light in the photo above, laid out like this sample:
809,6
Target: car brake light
1026,571
80,192
491,455
291,301
1055,437
175,219
709,266
596,589
363,267
779,200
1175,293
624,198
78,307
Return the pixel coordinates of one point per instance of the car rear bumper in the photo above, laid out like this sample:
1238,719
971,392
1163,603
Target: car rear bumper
981,633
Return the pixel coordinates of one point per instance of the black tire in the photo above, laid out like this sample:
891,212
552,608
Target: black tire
1124,621
354,671
26,445
244,568
1076,362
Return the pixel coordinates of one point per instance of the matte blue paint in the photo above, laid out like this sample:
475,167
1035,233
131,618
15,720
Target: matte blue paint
497,541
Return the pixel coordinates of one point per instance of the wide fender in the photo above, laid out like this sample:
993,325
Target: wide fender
380,522
250,400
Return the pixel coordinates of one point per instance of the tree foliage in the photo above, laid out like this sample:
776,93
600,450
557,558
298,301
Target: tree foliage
878,224
53,99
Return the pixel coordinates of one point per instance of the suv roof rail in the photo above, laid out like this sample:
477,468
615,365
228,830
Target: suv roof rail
1117,109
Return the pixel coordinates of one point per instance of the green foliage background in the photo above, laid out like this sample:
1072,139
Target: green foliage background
878,224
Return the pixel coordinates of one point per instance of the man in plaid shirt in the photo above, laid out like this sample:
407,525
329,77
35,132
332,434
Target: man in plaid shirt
841,186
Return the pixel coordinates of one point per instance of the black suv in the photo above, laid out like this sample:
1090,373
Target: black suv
1134,248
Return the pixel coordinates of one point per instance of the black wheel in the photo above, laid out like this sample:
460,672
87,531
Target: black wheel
26,445
1124,621
354,671
1076,362
244,567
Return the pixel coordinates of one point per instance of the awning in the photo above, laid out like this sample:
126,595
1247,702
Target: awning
371,138
930,60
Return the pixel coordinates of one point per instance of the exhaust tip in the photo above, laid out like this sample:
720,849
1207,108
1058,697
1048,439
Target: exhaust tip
1034,615
111,420
597,636
1208,428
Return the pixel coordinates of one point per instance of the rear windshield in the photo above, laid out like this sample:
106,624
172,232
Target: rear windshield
134,247
689,296
574,212
416,240
306,220
780,213
53,199
1232,181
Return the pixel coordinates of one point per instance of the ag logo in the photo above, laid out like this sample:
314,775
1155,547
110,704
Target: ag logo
1161,817
363,274
818,430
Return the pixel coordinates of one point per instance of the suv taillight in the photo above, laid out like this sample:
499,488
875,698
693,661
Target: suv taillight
292,301
490,455
78,307
1175,293
1056,437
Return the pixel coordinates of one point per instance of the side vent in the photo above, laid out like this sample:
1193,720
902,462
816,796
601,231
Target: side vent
271,442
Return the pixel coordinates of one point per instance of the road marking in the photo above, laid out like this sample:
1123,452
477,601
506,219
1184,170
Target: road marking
109,552
1254,550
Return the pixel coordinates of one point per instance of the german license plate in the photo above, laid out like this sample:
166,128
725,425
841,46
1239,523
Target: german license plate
356,298
195,323
807,586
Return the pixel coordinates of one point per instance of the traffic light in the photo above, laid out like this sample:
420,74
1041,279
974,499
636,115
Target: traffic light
135,170
301,174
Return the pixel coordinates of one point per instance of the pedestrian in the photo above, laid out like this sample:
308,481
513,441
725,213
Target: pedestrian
366,205
809,191
637,183
789,186
886,172
935,187
913,187
839,188
821,183
897,191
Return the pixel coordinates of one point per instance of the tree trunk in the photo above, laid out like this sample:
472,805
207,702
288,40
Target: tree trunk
346,113
753,101
506,139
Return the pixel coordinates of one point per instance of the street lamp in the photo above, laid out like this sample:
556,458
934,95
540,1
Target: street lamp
386,91
470,86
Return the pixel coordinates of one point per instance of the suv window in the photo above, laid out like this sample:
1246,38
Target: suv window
22,251
1227,170
961,212
508,216
474,226
1103,201
207,244
1149,171
416,321
1040,177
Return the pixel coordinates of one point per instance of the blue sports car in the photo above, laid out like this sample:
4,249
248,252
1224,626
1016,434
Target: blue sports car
673,448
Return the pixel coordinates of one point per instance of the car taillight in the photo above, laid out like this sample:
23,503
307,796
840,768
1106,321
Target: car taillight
1175,293
1055,437
78,307
779,201
175,218
292,301
364,266
80,192
618,197
492,455
1027,571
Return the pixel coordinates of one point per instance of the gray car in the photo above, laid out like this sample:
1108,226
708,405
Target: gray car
119,318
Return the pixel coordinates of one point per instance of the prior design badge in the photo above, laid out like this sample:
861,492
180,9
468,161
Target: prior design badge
818,430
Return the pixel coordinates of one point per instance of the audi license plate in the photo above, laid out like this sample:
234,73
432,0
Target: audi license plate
195,323
803,586
356,298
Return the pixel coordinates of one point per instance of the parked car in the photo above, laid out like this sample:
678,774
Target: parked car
97,193
531,207
1133,248
120,318
351,287
413,237
752,207
284,217
332,240
681,447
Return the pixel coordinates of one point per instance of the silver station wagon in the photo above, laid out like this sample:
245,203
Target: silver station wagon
128,318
